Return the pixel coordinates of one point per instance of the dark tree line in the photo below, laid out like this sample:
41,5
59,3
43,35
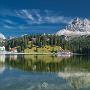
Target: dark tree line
38,40
77,45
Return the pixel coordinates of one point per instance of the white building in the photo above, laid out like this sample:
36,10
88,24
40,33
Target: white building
2,39
2,48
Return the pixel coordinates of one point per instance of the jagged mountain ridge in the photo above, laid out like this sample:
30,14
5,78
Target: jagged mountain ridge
77,27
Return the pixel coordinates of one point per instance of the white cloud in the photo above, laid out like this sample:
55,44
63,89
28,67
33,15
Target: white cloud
7,26
9,21
58,19
37,17
30,17
25,14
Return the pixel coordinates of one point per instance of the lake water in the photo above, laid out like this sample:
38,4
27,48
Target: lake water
44,72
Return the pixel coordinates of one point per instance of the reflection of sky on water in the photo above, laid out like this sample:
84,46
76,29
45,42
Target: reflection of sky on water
14,78
2,68
76,79
2,61
18,80
41,81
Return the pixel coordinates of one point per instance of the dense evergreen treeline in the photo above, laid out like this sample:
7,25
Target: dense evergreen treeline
27,41
77,45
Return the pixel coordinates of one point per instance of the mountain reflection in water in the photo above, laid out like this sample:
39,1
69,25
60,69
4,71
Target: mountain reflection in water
74,71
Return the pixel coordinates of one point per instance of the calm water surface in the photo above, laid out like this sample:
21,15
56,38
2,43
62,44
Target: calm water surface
44,72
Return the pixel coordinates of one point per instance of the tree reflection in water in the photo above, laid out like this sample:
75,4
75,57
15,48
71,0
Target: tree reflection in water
46,63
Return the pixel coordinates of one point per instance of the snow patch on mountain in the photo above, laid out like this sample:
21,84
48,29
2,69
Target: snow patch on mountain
76,27
2,36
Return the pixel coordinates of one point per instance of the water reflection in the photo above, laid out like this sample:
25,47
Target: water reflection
46,63
2,61
74,72
40,63
13,57
2,58
76,80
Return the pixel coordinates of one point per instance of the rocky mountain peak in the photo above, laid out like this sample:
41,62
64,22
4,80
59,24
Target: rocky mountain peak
76,27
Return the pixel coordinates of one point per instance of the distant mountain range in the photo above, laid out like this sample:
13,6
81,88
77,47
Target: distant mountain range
76,27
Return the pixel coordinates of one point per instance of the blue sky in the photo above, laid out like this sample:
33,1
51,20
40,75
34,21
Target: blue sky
19,17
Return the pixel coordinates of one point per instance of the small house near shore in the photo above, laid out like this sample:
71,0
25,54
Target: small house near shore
14,49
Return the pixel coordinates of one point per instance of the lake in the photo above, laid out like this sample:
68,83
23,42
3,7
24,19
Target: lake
44,72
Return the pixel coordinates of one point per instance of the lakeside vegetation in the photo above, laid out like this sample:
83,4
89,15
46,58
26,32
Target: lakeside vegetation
46,43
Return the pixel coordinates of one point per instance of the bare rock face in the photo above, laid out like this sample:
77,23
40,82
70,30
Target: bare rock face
77,27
